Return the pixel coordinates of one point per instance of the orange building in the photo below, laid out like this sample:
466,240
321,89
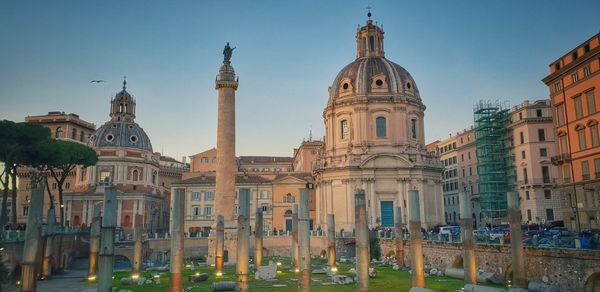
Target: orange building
574,83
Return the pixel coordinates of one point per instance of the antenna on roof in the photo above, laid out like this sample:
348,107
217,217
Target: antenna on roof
310,134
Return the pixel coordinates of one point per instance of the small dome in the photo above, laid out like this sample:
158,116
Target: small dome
121,134
373,75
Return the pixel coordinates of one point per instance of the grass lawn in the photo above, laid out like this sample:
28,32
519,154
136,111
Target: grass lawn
387,279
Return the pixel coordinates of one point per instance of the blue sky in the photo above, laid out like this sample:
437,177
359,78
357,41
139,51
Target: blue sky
288,53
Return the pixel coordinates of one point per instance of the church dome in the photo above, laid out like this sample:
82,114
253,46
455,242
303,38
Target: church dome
117,134
374,74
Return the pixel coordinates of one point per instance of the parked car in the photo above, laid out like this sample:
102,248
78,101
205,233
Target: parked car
498,232
454,230
481,233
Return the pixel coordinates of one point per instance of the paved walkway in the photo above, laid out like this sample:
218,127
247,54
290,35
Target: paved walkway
71,281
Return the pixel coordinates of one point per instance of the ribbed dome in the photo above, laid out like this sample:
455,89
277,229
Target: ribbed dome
121,134
376,75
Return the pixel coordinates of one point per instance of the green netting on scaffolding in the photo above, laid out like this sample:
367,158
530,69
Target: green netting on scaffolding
494,159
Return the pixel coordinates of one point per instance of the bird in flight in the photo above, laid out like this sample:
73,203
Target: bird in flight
97,81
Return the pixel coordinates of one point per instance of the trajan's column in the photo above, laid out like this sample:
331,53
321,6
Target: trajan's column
226,85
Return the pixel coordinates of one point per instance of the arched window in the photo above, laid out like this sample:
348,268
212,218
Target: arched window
126,221
59,132
74,134
288,213
413,128
364,46
289,198
125,107
121,108
380,127
135,175
344,129
371,43
153,177
81,135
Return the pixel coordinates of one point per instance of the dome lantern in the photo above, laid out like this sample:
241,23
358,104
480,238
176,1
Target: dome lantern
122,106
369,40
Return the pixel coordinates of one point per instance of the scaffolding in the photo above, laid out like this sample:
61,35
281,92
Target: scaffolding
493,141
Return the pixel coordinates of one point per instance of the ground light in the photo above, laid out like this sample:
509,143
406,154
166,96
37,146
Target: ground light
296,270
219,274
91,278
197,273
334,269
279,264
135,276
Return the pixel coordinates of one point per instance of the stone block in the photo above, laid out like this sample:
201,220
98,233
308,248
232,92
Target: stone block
266,272
198,278
223,286
372,273
341,280
319,271
541,287
126,281
417,289
477,288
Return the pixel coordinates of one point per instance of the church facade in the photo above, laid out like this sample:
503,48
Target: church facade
374,140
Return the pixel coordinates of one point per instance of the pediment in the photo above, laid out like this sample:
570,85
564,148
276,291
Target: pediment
386,161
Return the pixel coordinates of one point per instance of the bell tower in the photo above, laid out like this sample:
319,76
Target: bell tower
122,106
369,40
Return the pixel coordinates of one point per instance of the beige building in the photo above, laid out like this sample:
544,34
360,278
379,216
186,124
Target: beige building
467,173
306,156
448,155
68,127
374,140
273,183
534,145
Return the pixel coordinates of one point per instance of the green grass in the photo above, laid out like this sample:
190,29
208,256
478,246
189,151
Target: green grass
387,280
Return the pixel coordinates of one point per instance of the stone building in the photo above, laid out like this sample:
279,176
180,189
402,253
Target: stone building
273,183
573,85
68,127
374,140
125,159
306,156
533,147
448,156
467,173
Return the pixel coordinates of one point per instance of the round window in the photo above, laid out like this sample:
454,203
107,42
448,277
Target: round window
379,82
110,137
345,86
92,137
130,127
408,85
133,139
114,125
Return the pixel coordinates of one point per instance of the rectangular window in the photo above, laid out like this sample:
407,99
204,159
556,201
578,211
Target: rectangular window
597,167
527,195
196,211
578,107
462,157
549,215
591,102
547,194
586,71
525,177
538,113
557,86
574,77
594,134
560,114
195,196
523,154
581,135
528,214
470,171
469,155
54,186
566,174
413,127
546,174
585,170
380,127
463,171
541,135
207,211
209,196
562,141
25,210
67,186
345,130
522,137
543,152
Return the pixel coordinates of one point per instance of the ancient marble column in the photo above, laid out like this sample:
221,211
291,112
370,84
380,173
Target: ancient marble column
137,246
33,234
304,242
295,251
177,238
331,242
243,236
519,280
399,238
466,225
50,225
107,240
362,241
258,238
220,241
226,84
416,241
94,243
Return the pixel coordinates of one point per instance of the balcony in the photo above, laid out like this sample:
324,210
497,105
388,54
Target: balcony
546,181
560,159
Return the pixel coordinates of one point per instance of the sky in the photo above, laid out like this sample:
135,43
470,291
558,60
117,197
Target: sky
287,55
